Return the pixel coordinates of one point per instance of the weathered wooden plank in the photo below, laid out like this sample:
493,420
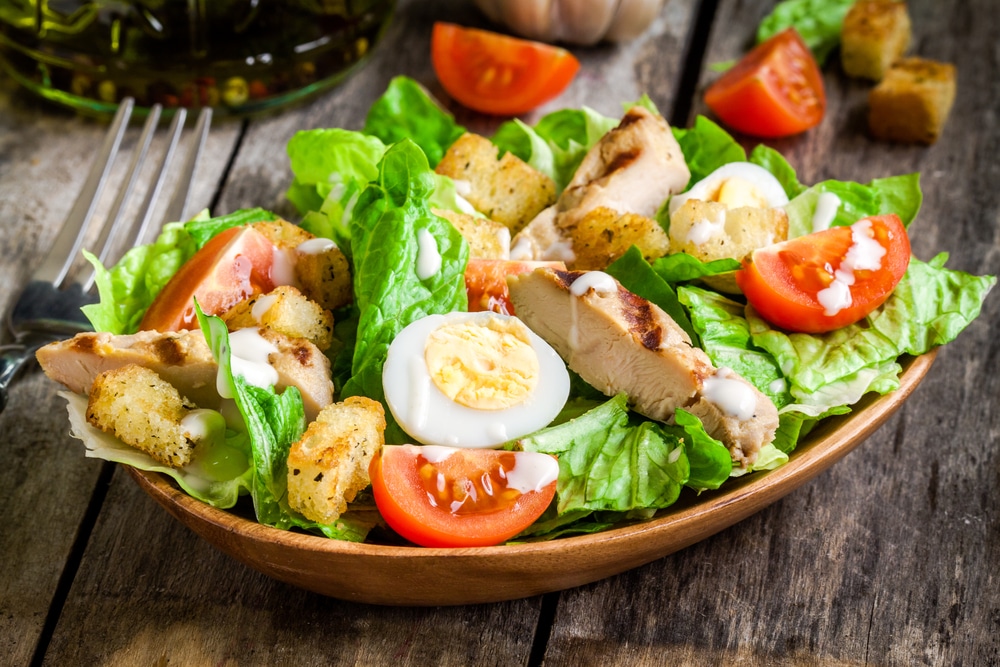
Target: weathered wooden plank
888,558
45,482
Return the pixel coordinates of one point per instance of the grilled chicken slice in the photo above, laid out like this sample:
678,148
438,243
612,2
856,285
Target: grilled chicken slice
184,360
632,169
619,342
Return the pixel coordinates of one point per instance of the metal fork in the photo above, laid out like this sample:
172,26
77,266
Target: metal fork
48,309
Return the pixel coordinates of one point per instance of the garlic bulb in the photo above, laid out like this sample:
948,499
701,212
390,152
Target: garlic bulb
573,21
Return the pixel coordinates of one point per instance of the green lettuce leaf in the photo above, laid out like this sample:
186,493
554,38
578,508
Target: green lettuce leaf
896,194
818,22
638,277
389,218
218,477
775,162
709,460
607,463
274,422
706,147
407,111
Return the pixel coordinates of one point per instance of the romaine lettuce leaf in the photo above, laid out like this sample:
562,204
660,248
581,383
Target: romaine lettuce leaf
896,194
407,111
818,22
608,463
637,276
706,147
709,460
389,218
331,168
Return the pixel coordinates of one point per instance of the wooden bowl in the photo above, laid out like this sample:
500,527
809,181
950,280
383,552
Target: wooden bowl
393,575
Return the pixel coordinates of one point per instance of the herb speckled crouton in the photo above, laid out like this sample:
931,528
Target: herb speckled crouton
604,235
328,466
874,35
912,102
285,310
711,230
507,190
144,411
487,239
320,266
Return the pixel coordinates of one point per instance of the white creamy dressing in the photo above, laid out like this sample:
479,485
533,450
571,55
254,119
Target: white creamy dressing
532,471
283,267
734,397
674,454
503,238
345,219
705,229
598,281
464,206
249,353
826,211
521,250
262,305
418,406
559,251
316,246
200,424
777,386
865,253
462,187
428,256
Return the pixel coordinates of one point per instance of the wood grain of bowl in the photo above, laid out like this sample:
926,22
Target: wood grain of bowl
414,576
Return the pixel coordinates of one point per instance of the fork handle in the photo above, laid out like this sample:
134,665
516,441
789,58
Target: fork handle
13,359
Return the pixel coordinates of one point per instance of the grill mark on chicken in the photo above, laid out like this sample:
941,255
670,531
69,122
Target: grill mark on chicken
630,117
84,343
169,351
641,321
621,161
302,354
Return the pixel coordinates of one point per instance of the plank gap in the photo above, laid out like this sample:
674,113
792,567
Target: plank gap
73,561
694,55
546,618
224,179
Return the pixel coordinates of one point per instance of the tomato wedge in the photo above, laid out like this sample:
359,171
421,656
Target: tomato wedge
486,282
776,90
449,497
827,280
497,74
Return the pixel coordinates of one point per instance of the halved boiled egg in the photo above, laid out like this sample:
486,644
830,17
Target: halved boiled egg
736,184
472,380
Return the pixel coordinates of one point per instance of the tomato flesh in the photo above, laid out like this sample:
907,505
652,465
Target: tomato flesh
459,500
776,90
830,279
497,74
486,282
235,264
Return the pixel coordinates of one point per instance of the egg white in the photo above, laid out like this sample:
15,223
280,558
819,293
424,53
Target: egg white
432,418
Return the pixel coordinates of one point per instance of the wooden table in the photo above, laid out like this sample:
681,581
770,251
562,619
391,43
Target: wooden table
890,557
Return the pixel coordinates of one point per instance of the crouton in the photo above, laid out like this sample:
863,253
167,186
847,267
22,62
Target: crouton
321,268
144,411
285,309
507,190
875,34
912,102
711,231
487,238
328,466
603,235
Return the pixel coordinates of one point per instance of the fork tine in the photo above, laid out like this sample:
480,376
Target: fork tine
175,211
67,244
145,215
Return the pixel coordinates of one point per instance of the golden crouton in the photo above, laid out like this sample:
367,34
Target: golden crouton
875,34
604,235
711,231
487,238
912,102
287,311
321,268
144,411
329,465
507,190
324,275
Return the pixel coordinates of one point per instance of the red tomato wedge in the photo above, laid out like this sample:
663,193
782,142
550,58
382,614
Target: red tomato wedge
497,74
827,280
232,266
444,497
776,90
486,282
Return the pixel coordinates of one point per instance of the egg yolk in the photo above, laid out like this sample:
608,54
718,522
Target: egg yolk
487,365
736,192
